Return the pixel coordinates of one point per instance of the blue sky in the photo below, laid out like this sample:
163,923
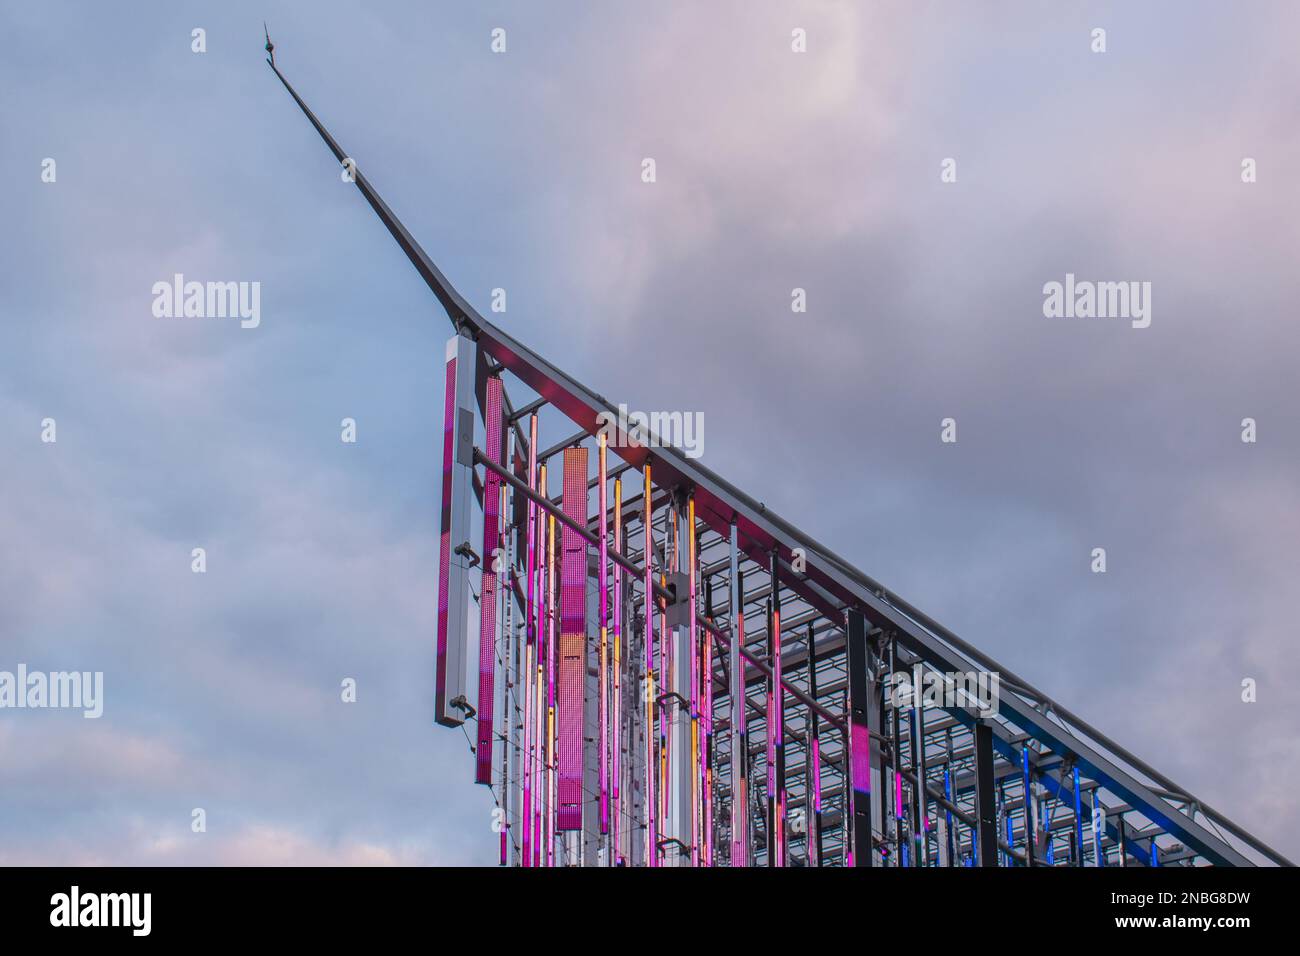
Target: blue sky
521,171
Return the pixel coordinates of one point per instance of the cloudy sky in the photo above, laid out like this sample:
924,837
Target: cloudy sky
522,170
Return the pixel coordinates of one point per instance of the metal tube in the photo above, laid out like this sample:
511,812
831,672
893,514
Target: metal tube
739,736
1078,821
552,804
858,852
900,836
530,651
603,598
920,799
985,808
770,721
490,568
666,684
1098,857
616,748
650,693
540,802
814,761
1028,807
503,599
707,645
777,713
696,763
453,531
951,844
568,694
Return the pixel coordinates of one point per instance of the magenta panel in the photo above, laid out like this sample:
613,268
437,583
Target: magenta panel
860,760
573,641
487,641
603,592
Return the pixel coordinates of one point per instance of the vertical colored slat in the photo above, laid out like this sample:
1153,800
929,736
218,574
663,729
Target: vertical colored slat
952,844
667,676
603,601
921,796
616,747
693,630
1078,821
507,623
444,539
651,734
453,571
709,771
1047,832
769,703
777,717
736,694
1005,810
539,770
529,755
552,668
900,836
1029,807
487,649
545,654
814,769
949,841
881,711
986,813
530,652
572,663
857,663
1098,857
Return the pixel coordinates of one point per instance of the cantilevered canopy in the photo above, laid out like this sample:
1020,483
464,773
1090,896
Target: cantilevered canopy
832,585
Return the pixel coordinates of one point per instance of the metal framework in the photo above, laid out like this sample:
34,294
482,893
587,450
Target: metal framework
685,678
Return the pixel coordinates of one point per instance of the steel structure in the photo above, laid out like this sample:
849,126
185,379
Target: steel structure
683,677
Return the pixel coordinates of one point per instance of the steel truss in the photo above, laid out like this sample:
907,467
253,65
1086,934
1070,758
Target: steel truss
682,677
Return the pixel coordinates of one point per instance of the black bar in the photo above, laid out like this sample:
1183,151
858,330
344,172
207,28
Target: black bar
900,837
859,702
986,810
381,908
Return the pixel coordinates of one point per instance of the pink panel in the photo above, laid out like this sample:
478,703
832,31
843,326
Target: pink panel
487,646
573,641
444,541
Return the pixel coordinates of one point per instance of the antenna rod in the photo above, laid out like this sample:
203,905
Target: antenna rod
461,313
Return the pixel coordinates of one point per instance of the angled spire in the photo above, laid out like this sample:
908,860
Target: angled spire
462,314
831,583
